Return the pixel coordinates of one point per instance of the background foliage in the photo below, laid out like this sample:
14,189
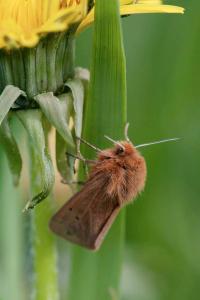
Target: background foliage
161,259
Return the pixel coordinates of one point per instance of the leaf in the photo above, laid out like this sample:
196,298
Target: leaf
82,73
52,108
11,149
63,165
32,122
7,99
29,56
77,88
105,113
41,62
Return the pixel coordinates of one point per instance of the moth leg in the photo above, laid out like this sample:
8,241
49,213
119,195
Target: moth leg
81,158
88,144
71,182
85,161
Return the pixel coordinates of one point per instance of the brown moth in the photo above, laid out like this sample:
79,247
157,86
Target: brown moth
116,177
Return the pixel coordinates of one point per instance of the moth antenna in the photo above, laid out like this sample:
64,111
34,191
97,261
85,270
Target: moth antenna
126,132
88,144
115,142
157,142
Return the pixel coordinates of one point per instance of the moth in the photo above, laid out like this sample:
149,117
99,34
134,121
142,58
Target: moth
116,177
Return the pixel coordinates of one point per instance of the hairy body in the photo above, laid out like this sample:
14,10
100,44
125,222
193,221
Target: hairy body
116,177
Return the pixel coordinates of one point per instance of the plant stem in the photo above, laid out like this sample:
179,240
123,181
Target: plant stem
10,236
97,275
45,285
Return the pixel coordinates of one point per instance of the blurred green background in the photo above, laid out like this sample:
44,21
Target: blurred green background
162,250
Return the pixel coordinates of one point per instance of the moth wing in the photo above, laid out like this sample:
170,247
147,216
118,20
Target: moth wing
88,215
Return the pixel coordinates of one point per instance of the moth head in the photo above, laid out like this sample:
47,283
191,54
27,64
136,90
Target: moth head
122,148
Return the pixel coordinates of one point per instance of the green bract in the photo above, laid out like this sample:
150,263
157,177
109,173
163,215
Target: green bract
40,84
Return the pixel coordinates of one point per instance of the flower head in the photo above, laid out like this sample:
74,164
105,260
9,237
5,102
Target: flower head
23,22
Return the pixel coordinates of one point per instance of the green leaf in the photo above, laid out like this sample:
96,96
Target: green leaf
84,76
63,165
82,73
30,71
52,46
105,113
59,59
32,122
41,62
7,99
18,73
77,88
52,108
68,59
11,149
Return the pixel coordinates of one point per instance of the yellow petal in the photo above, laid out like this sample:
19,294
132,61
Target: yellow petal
30,41
144,8
132,9
87,21
9,34
22,22
61,20
148,2
122,2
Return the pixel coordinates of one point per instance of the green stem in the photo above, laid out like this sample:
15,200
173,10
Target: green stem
11,240
45,285
97,275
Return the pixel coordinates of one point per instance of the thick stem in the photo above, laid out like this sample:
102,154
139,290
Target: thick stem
105,113
45,284
11,256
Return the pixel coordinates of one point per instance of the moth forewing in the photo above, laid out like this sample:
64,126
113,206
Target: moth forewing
86,217
105,228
